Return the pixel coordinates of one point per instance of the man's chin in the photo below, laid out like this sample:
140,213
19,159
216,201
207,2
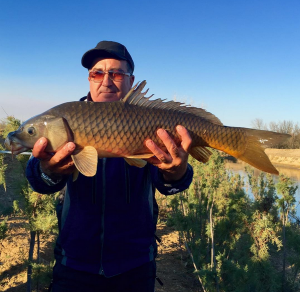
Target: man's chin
107,97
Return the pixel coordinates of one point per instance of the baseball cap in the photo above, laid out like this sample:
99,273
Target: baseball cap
104,50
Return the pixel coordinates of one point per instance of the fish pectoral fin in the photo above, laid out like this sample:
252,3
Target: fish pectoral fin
86,160
201,154
138,161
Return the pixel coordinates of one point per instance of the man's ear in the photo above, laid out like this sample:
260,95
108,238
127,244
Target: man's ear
131,80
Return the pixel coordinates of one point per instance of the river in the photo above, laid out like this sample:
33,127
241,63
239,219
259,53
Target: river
293,173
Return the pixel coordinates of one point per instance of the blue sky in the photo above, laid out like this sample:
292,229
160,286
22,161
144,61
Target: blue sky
237,59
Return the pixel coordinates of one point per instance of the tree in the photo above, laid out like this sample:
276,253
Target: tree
3,228
285,127
286,204
10,124
258,124
39,209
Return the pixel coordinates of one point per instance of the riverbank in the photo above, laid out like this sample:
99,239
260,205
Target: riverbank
287,158
286,161
284,157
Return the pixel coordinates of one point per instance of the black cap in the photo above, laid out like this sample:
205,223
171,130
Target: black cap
104,50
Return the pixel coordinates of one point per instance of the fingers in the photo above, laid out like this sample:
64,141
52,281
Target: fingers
160,156
169,143
58,164
172,148
39,147
63,153
172,163
186,140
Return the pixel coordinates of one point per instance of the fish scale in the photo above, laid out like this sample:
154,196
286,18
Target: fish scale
120,128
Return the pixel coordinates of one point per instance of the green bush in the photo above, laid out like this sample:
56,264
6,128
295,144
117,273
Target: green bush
236,240
3,228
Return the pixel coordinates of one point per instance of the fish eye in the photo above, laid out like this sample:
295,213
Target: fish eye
31,131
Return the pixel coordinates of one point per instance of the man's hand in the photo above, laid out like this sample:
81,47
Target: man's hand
172,164
54,165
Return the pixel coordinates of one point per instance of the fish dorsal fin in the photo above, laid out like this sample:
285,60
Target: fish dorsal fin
86,160
136,93
136,97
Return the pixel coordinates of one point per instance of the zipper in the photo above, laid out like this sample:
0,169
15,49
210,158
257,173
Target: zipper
101,272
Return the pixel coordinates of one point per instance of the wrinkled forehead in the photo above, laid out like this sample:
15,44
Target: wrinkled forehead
109,64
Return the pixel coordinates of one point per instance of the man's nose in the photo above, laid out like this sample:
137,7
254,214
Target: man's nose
106,80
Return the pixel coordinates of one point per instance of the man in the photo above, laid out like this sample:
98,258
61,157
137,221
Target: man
108,222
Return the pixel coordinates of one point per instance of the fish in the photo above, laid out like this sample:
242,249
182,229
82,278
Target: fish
120,129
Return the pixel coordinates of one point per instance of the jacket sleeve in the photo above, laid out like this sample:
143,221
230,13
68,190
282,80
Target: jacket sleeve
33,176
167,188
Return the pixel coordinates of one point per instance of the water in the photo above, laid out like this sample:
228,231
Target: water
293,173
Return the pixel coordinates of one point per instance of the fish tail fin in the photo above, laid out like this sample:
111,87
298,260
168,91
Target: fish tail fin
256,142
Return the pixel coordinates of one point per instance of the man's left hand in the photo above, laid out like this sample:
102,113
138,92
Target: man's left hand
172,164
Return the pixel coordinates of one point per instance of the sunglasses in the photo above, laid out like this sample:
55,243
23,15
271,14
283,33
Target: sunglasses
98,76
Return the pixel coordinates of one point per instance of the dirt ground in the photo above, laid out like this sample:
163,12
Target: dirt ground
173,265
14,254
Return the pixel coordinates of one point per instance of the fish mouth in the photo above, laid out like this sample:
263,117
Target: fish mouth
14,146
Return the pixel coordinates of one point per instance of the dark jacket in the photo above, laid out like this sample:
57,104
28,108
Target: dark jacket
108,221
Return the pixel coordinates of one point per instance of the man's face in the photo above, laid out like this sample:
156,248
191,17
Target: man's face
109,90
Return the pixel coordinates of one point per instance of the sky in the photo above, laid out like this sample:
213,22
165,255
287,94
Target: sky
239,60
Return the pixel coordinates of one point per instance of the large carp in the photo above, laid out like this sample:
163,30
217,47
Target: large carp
120,128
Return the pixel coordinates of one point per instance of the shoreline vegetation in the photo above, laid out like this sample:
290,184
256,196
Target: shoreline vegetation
238,243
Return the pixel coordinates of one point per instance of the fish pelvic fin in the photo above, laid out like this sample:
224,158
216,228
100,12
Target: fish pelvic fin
257,141
86,160
201,154
75,175
136,162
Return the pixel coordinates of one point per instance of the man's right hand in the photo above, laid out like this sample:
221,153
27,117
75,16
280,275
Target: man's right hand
57,164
